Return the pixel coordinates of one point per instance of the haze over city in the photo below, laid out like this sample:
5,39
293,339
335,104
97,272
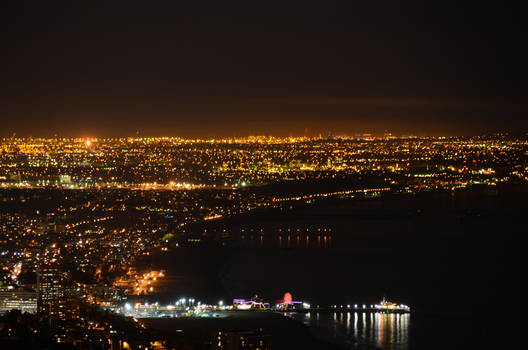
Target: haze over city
238,69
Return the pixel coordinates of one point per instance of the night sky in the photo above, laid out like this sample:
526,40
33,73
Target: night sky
202,69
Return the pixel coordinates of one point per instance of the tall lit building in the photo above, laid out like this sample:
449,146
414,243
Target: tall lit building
50,290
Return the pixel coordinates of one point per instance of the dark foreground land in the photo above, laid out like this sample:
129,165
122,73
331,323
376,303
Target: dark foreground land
286,333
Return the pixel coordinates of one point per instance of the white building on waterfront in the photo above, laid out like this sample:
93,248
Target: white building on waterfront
23,300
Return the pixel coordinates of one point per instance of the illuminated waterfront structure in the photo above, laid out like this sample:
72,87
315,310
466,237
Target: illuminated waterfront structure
242,304
23,300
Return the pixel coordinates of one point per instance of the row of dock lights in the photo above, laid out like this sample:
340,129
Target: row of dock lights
187,302
381,306
335,306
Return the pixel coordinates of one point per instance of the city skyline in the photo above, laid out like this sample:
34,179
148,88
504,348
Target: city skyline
306,133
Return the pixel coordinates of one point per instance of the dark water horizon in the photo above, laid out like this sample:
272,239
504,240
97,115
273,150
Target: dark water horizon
454,261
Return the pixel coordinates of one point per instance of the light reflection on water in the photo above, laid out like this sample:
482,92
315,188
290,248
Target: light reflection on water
362,330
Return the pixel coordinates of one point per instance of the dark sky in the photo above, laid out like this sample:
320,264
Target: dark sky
216,68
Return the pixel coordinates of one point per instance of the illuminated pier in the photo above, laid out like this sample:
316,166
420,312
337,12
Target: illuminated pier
193,308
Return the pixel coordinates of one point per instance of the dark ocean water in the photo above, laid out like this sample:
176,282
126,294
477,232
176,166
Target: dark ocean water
359,330
453,257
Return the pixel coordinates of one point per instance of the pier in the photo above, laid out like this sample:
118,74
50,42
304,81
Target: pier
202,310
